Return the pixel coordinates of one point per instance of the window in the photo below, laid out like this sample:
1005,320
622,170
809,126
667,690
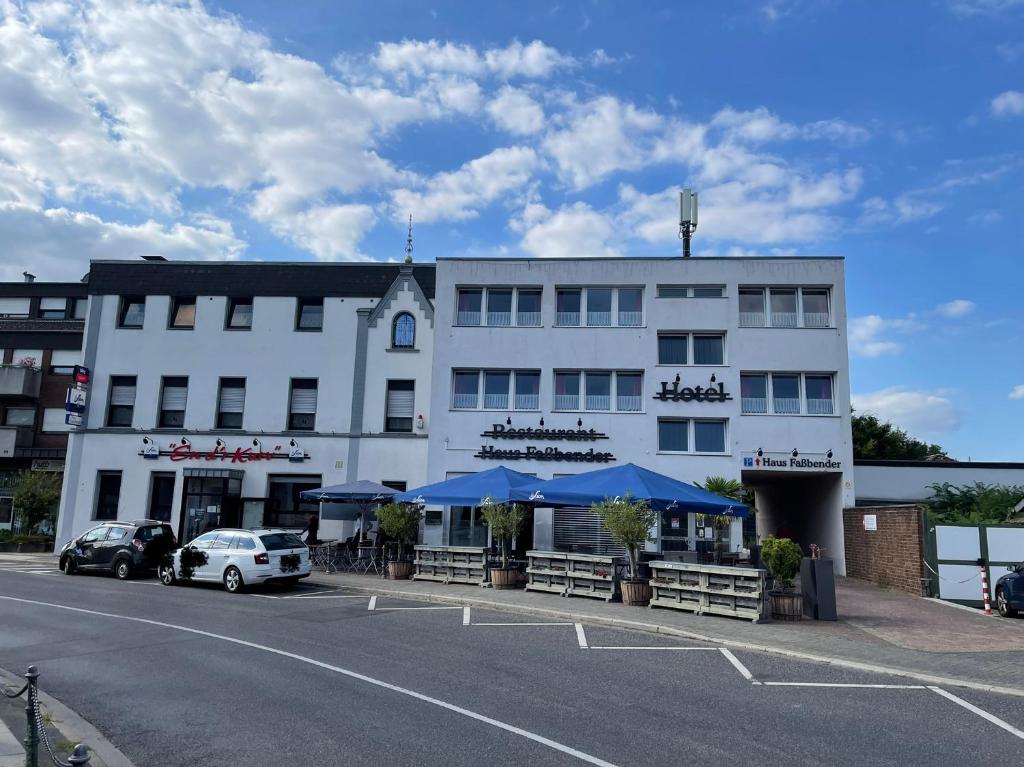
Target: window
6,509
53,308
599,307
230,403
528,308
395,484
673,291
567,307
629,392
403,332
53,421
132,312
673,435
183,313
754,393
496,389
122,401
708,291
310,314
173,396
783,306
527,396
785,394
708,349
599,391
691,291
631,307
815,306
567,391
751,307
20,416
499,307
78,308
302,404
469,305
239,314
287,509
466,389
108,494
401,401
63,361
818,390
95,535
672,348
161,496
709,436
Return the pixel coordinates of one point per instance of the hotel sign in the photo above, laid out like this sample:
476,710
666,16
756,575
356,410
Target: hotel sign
673,392
785,461
533,453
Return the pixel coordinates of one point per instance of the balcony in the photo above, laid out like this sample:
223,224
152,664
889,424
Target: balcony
19,381
12,437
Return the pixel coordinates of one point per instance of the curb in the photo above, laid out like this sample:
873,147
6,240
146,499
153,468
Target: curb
654,628
74,728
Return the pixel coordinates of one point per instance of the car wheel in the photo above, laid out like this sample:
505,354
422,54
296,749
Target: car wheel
1003,606
233,580
123,569
166,574
68,565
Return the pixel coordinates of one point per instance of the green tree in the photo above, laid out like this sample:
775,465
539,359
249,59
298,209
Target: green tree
782,558
977,504
629,522
883,441
36,493
399,521
505,521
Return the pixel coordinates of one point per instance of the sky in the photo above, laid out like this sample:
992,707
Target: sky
886,133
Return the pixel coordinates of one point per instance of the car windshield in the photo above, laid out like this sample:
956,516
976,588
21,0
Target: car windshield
278,541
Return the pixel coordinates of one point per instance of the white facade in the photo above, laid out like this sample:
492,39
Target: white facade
883,482
352,359
801,499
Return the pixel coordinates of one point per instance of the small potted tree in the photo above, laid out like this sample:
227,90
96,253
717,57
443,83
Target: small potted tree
401,522
782,558
505,521
629,522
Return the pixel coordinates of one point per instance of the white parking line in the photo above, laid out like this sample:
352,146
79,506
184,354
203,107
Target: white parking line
983,714
640,647
841,684
581,636
465,615
327,596
522,624
739,666
552,744
393,609
373,603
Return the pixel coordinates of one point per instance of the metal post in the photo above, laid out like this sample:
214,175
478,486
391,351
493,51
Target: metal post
686,241
985,596
80,756
31,736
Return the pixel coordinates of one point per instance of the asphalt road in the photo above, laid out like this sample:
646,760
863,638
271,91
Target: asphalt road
195,676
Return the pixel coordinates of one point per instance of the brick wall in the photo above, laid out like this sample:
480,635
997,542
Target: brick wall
891,555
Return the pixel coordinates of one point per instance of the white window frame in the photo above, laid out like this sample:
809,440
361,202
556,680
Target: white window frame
688,291
614,308
613,390
801,383
690,348
481,390
691,435
767,303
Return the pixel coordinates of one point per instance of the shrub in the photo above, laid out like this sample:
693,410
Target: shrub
36,493
782,558
399,521
629,522
505,521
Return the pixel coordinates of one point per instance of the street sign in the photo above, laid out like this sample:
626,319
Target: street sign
75,400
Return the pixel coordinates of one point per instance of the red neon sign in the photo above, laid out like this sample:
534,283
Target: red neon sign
221,453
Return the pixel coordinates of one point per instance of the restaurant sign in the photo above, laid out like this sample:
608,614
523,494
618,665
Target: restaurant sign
533,453
789,461
501,431
673,392
221,453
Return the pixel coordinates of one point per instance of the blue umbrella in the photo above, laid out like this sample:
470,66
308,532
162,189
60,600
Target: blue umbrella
498,485
362,490
661,492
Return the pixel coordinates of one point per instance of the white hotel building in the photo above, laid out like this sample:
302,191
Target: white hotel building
735,367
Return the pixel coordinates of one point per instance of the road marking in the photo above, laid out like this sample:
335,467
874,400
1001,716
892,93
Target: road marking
392,609
739,666
327,596
552,744
983,714
593,647
522,624
581,636
373,603
841,684
465,615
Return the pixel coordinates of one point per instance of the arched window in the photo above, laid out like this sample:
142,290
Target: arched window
403,334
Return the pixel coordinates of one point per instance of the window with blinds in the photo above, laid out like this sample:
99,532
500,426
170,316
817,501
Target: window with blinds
302,404
53,308
401,402
63,361
122,401
581,531
173,397
231,403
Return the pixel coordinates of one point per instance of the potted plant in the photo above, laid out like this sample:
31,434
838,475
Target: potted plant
505,521
629,522
782,558
401,522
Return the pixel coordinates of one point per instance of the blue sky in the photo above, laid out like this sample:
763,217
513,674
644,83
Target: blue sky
889,133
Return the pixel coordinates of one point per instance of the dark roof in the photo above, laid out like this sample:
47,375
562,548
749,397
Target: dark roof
42,289
251,278
940,464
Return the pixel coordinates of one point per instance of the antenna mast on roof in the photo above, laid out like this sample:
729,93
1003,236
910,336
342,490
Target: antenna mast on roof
408,243
687,217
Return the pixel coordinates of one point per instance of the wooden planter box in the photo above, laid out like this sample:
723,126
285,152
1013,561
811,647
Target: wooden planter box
546,571
572,575
738,592
451,564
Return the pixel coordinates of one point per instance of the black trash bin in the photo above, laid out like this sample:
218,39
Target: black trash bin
818,584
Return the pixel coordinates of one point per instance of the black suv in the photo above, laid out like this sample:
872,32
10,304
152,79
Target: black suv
124,548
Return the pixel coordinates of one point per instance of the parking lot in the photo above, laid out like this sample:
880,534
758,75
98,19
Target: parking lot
193,675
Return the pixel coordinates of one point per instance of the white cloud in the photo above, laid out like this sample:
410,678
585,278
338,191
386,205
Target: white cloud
760,125
330,232
420,58
60,243
572,231
1008,103
957,308
917,411
458,195
870,335
515,111
1010,52
1017,392
983,7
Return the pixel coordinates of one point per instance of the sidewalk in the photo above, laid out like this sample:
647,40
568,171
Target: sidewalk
878,630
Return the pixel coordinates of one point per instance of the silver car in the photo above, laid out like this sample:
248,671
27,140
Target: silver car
238,558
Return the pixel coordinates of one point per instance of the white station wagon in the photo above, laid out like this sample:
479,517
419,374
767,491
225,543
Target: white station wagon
239,558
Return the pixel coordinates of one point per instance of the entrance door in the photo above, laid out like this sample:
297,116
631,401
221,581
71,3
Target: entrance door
209,503
253,510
